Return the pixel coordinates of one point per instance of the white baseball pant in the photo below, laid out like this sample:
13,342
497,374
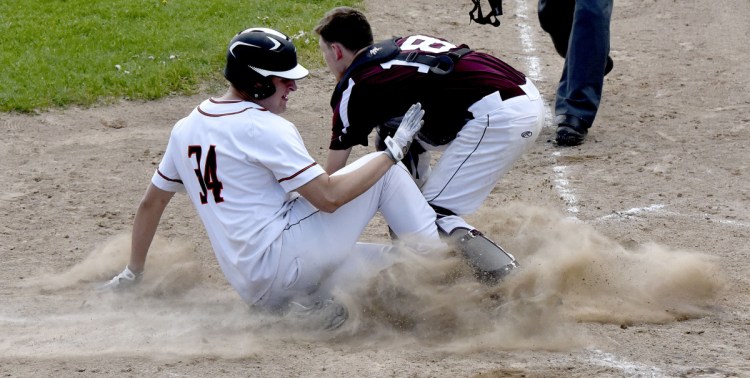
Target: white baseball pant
484,150
320,252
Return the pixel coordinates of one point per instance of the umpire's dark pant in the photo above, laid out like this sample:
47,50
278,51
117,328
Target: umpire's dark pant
580,33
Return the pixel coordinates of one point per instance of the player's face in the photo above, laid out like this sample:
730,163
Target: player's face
330,55
277,102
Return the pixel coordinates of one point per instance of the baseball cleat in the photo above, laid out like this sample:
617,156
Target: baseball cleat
491,263
326,315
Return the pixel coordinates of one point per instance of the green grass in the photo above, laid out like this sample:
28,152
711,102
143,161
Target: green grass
56,53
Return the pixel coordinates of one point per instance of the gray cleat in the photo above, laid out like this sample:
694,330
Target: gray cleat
490,262
326,315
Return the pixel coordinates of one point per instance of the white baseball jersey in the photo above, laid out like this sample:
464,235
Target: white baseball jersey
239,164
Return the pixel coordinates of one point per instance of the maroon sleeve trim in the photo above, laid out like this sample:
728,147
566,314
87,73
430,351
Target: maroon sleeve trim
201,111
298,173
167,178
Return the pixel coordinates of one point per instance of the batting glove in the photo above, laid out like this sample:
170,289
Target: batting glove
125,279
397,146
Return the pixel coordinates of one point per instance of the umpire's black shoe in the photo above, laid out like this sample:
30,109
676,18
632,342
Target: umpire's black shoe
610,65
571,130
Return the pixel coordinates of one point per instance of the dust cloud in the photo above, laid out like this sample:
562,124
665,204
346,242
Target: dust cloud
171,265
570,274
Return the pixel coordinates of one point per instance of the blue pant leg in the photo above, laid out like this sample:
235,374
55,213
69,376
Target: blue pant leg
580,89
556,18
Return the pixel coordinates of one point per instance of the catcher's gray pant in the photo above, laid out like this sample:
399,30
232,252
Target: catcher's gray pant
484,150
320,252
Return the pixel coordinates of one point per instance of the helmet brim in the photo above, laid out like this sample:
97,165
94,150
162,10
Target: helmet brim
295,73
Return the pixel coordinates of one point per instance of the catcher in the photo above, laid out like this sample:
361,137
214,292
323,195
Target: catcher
480,113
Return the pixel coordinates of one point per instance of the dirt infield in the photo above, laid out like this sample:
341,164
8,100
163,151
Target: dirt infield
634,245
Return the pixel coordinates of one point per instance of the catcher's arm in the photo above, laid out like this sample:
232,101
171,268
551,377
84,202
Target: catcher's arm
337,160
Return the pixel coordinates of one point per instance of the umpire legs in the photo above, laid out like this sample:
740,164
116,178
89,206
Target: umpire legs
580,32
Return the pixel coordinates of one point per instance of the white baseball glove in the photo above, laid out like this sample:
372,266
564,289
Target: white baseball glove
397,146
125,279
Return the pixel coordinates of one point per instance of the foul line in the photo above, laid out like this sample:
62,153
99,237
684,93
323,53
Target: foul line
660,210
533,68
560,180
629,368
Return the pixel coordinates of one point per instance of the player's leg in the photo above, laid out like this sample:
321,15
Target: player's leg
484,150
398,199
317,244
585,46
556,18
580,90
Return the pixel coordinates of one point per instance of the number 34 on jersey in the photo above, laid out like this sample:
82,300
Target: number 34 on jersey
206,173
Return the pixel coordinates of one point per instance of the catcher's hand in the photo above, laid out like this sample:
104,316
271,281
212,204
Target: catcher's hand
125,279
397,146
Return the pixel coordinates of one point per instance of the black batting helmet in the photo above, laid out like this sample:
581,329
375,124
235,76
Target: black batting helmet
255,54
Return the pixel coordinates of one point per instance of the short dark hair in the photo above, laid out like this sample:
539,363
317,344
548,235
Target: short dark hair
346,26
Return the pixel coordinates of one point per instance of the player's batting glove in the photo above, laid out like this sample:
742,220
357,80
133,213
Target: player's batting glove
397,146
125,279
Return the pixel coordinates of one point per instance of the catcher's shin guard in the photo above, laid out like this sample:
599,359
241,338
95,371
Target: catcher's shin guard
490,261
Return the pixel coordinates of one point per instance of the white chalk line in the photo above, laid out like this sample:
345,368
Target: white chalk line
568,195
660,210
631,369
5,319
533,65
562,184
560,180
626,214
534,71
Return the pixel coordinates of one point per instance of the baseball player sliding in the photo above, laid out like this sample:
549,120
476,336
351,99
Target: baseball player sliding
267,206
479,111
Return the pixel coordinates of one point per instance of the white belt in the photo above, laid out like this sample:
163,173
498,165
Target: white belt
492,101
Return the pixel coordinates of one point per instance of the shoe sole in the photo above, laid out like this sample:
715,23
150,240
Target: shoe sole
569,136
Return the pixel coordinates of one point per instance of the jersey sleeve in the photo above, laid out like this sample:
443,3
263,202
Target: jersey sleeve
284,153
343,138
166,176
352,120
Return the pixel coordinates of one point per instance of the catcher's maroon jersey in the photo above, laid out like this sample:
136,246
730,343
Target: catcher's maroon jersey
380,85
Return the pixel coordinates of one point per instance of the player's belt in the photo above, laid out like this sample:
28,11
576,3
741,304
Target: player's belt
492,101
511,92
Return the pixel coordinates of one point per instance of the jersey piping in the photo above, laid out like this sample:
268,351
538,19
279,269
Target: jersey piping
298,173
167,178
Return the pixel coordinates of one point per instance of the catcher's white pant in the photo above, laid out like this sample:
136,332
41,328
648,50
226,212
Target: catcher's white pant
319,251
484,150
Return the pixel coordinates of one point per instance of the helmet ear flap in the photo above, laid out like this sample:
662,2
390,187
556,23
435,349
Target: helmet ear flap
262,88
255,85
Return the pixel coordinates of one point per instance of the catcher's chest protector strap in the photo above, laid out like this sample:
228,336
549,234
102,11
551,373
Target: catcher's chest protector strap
441,64
496,9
